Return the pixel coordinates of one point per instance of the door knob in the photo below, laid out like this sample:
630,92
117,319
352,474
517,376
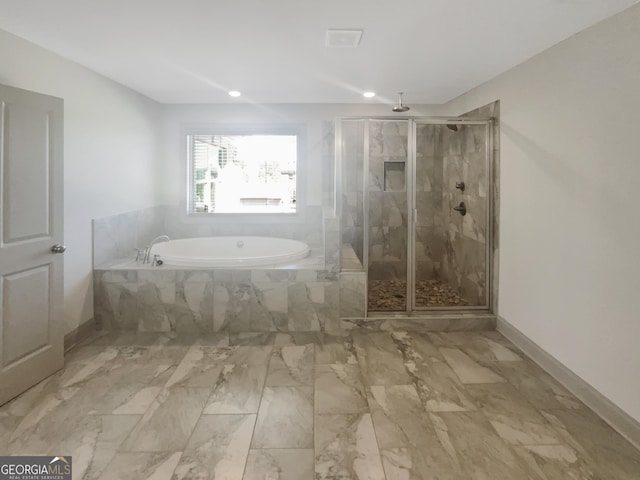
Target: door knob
57,248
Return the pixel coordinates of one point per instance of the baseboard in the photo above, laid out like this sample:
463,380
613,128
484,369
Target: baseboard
78,335
621,421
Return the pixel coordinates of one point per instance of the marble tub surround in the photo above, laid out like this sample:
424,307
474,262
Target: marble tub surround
331,241
159,299
307,405
352,283
307,227
116,237
353,294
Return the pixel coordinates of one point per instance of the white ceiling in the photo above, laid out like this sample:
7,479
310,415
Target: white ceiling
194,51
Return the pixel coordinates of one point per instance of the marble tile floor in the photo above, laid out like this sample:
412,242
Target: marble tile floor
303,406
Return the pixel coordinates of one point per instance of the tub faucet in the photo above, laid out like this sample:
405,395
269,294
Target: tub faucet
147,250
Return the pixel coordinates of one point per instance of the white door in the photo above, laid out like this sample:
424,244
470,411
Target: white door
31,290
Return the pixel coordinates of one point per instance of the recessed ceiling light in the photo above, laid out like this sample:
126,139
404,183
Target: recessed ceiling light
234,93
369,94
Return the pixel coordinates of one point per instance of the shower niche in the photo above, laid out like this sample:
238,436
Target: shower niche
402,184
395,178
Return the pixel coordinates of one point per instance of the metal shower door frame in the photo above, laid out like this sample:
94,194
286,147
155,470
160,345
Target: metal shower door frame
412,217
410,183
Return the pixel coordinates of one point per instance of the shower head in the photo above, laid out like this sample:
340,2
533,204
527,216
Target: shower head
400,108
452,126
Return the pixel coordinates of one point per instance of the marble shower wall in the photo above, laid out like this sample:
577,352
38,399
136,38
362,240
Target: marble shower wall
451,247
328,165
352,185
465,259
163,299
332,242
331,224
492,110
431,235
387,199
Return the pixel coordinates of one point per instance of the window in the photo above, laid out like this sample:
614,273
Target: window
251,172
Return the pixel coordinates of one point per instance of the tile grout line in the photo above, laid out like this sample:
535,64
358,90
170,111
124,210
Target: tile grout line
478,407
486,364
255,423
162,387
313,401
199,416
526,401
373,425
118,450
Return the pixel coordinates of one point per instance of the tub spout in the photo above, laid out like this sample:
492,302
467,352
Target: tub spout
147,250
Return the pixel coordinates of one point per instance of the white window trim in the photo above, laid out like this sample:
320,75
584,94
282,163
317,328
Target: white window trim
299,130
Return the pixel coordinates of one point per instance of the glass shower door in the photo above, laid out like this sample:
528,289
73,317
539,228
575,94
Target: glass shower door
387,154
451,215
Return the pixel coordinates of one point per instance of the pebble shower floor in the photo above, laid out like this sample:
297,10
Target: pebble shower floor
390,295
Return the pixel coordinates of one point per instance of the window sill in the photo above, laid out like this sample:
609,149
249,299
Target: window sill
217,218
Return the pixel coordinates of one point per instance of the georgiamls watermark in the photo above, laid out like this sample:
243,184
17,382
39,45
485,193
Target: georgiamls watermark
35,468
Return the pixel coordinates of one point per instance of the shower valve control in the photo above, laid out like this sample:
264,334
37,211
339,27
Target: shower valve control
461,209
460,185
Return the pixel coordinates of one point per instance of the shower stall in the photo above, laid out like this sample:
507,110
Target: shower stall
415,205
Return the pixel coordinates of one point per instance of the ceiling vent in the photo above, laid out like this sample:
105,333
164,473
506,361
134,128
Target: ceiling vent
343,38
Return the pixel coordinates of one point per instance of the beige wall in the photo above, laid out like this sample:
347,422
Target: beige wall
111,139
570,222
